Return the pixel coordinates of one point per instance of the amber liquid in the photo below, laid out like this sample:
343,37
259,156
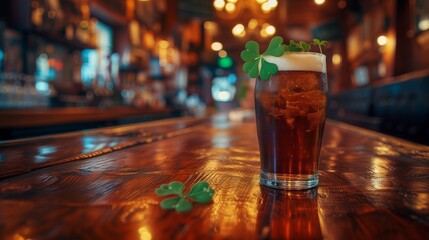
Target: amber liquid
290,117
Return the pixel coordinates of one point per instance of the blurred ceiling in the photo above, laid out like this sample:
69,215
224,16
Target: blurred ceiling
292,19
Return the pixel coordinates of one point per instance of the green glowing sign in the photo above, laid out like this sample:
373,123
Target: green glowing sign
225,62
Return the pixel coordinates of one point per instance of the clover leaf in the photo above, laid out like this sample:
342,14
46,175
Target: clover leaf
267,69
251,52
293,47
305,47
276,47
183,205
200,193
172,188
319,43
170,203
255,65
251,67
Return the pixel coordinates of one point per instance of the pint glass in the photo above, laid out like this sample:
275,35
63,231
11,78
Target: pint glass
290,117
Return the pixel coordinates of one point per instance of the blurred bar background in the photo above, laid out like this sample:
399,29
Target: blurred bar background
68,65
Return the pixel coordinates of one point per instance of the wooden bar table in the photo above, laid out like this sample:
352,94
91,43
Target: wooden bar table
101,185
24,118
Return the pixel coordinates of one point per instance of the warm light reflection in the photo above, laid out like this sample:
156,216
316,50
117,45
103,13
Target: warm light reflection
253,23
17,236
163,44
336,59
209,25
239,116
319,2
282,218
145,234
379,168
385,150
238,30
265,7
227,214
219,4
216,46
263,33
230,7
222,53
421,201
267,30
382,40
84,24
272,3
324,223
423,24
382,69
270,30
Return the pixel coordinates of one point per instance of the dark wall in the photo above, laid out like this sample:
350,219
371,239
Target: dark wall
400,108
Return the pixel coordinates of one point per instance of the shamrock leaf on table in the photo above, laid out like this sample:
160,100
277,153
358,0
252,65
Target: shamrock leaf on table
172,188
200,193
183,205
170,203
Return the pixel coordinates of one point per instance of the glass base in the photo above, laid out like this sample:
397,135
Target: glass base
289,181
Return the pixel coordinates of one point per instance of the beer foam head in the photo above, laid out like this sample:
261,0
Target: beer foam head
299,61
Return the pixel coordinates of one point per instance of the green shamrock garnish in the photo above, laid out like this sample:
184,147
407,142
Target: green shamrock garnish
319,43
293,47
298,47
200,193
255,64
305,47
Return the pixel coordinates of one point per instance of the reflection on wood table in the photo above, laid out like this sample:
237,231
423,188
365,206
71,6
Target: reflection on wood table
371,186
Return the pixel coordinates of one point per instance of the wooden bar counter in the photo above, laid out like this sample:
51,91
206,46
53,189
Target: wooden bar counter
101,185
24,123
16,118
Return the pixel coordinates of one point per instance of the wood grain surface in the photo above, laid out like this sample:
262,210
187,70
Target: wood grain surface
372,186
25,155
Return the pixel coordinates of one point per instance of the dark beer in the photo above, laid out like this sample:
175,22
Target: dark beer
290,117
